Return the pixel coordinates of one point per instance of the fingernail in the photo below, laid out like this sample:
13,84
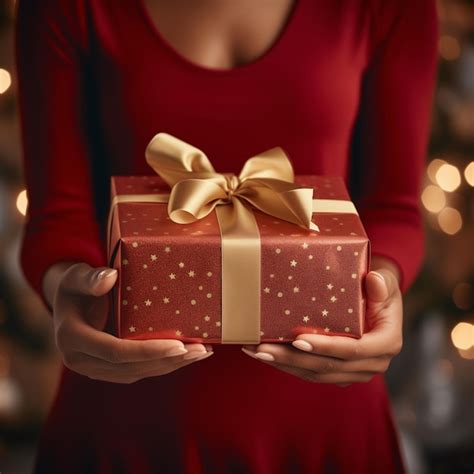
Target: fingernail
176,351
248,352
379,275
106,273
303,345
204,356
264,356
194,354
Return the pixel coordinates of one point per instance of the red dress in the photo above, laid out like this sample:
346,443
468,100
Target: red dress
346,90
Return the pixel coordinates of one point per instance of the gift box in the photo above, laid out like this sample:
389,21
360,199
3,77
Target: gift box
217,258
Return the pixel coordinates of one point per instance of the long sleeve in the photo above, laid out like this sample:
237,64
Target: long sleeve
61,223
392,131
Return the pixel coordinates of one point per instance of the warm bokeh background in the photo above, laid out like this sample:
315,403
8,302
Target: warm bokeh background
431,382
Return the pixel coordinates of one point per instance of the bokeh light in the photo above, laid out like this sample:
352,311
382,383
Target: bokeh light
5,80
448,177
450,220
433,198
462,336
433,168
469,173
449,47
22,202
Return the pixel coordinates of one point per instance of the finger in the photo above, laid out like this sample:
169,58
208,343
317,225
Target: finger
75,334
82,279
94,367
323,364
312,376
292,357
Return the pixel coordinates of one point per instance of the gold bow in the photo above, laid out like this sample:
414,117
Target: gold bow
265,182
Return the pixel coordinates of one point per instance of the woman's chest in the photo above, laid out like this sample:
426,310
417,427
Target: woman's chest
302,93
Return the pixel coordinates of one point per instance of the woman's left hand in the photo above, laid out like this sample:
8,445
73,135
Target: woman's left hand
340,359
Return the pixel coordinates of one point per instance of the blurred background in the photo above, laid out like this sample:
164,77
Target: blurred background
431,382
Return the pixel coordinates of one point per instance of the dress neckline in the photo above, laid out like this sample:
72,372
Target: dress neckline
290,25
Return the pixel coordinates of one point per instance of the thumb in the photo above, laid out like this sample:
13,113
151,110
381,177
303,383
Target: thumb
83,279
380,285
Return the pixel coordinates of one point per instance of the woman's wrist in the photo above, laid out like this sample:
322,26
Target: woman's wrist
51,280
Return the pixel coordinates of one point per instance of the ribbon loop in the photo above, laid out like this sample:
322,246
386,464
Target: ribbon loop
265,182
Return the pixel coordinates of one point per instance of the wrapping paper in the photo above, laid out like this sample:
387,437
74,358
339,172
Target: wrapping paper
170,275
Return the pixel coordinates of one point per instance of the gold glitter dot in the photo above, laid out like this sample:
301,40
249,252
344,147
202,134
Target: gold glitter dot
193,302
135,244
145,265
124,261
200,287
155,288
204,334
218,323
338,248
279,294
209,274
278,250
290,277
313,298
178,311
150,329
206,318
209,295
125,302
328,267
196,328
326,329
262,333
287,311
135,307
354,276
347,329
310,257
129,288
350,310
356,253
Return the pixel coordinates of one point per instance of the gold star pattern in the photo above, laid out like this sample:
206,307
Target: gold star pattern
191,273
326,329
296,289
293,263
266,290
304,245
324,312
166,300
206,318
167,249
132,328
330,286
333,299
148,303
305,319
178,332
153,257
172,276
181,264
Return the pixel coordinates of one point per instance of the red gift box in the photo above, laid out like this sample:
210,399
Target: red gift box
173,283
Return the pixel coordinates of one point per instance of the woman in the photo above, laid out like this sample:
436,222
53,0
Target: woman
346,89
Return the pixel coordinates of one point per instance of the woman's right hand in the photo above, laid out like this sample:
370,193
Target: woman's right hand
80,307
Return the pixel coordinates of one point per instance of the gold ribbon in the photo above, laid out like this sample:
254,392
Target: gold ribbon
266,183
